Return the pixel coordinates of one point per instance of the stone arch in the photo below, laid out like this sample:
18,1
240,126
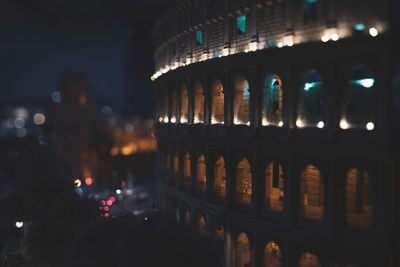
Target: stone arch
241,101
198,108
219,231
359,102
311,100
217,102
359,210
274,191
272,255
175,165
243,182
309,260
184,104
201,173
202,224
173,101
272,106
243,251
186,168
220,177
312,193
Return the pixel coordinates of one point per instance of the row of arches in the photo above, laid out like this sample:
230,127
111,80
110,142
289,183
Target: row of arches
272,253
311,188
311,107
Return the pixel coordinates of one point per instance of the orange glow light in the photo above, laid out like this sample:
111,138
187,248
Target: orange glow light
123,183
89,181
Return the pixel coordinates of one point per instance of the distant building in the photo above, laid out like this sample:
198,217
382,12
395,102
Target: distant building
277,129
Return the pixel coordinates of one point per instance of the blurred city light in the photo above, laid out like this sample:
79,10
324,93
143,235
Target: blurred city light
118,191
89,181
109,202
77,182
19,224
112,198
106,215
56,96
19,122
39,118
106,208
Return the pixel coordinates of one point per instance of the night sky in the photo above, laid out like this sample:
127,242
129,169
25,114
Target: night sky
108,40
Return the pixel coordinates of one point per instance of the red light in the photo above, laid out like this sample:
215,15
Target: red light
103,202
106,208
100,208
112,199
89,181
101,215
109,202
106,215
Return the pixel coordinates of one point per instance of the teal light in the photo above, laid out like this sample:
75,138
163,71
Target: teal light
367,83
216,54
272,43
241,23
359,27
199,37
308,86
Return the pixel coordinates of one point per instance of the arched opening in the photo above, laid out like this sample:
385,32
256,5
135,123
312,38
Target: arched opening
243,182
358,199
187,213
359,100
173,107
241,101
201,173
311,100
219,231
272,255
217,102
274,192
309,260
176,165
186,168
198,103
220,178
243,252
312,193
201,223
272,101
184,104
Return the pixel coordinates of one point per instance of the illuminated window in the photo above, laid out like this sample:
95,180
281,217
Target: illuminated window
199,37
186,169
220,178
176,165
359,27
188,214
198,103
241,104
243,182
312,193
309,260
274,186
272,100
201,223
358,199
359,106
201,173
311,100
272,43
243,252
241,23
184,104
217,54
310,9
272,255
217,102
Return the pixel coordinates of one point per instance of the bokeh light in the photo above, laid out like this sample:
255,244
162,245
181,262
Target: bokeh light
39,119
89,181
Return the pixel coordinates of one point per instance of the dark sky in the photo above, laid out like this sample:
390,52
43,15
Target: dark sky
108,40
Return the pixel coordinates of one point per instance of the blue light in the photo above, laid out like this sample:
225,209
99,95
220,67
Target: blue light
359,27
308,86
272,43
216,54
56,96
199,37
367,83
241,23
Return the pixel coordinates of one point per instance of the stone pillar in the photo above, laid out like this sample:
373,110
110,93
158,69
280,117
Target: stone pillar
254,91
253,29
228,99
230,186
207,99
288,16
229,245
210,160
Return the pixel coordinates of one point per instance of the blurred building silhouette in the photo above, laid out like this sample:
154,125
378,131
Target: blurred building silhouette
277,124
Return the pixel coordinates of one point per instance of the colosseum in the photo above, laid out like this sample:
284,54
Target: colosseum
277,125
